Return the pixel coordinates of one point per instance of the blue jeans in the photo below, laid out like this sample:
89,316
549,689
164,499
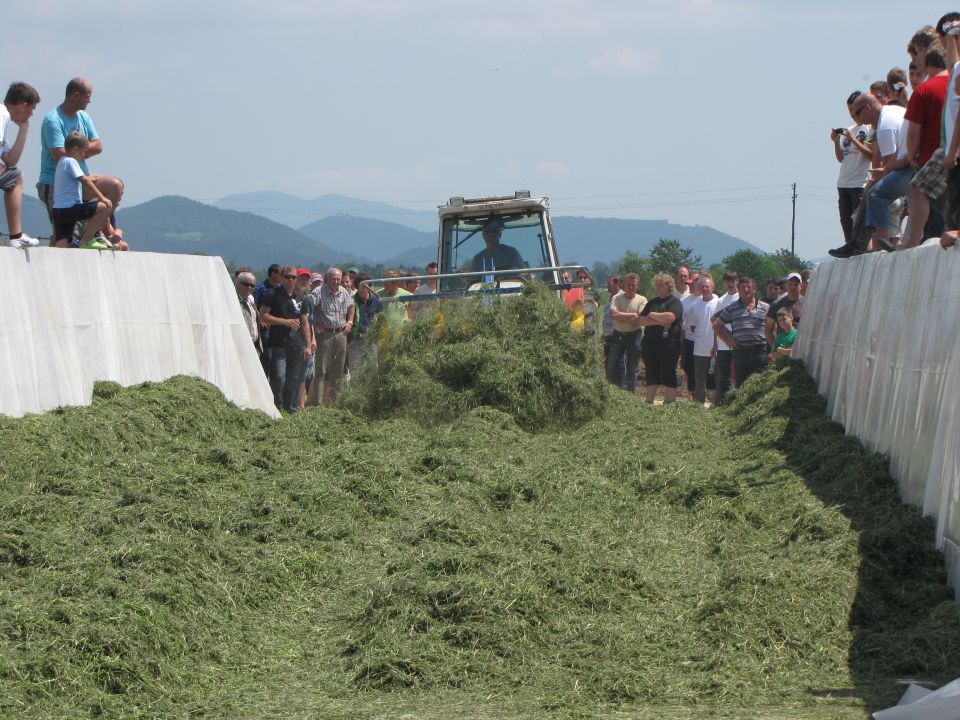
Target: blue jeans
624,344
889,188
287,367
619,370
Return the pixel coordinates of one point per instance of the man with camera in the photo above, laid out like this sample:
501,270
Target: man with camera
854,155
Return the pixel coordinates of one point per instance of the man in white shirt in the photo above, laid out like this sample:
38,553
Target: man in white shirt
686,356
700,313
888,182
854,155
683,282
17,108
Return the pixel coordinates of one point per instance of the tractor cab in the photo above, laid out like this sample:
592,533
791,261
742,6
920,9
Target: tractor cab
496,235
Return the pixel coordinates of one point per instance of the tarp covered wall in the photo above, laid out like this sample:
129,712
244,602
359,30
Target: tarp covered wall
881,337
73,317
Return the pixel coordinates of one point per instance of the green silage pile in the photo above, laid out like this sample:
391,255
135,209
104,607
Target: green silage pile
515,354
164,554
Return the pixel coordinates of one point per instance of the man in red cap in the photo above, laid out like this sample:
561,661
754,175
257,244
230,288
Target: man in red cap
290,339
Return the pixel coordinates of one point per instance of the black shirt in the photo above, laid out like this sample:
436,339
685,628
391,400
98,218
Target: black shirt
795,307
658,333
283,305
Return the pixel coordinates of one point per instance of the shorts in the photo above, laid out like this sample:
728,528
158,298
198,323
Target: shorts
9,178
45,193
931,179
64,218
660,361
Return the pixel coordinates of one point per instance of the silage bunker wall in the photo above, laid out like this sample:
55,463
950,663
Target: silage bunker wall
73,318
881,338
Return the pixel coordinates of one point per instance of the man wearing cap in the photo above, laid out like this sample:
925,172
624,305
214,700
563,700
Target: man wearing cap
496,255
791,300
746,316
334,321
290,339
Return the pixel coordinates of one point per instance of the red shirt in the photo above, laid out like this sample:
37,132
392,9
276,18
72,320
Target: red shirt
571,296
926,110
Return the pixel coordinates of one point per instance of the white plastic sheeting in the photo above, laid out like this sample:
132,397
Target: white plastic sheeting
918,703
881,337
73,317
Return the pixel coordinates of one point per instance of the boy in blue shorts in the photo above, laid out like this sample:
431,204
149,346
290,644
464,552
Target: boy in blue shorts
68,204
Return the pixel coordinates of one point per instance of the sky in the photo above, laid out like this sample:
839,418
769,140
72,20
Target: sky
700,112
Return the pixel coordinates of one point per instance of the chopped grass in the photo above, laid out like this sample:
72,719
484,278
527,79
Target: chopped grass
163,553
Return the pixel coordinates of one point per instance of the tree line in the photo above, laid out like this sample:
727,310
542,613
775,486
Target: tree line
668,254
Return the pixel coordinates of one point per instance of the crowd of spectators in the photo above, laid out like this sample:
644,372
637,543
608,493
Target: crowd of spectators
312,331
81,206
898,160
718,340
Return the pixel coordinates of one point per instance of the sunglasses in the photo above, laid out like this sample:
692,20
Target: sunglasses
289,277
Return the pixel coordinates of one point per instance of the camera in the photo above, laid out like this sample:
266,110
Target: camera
840,131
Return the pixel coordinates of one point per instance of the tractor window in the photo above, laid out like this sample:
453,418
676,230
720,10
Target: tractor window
494,242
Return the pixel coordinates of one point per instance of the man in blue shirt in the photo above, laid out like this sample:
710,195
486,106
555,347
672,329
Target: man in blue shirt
68,117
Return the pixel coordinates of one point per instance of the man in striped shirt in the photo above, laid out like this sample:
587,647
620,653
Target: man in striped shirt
746,316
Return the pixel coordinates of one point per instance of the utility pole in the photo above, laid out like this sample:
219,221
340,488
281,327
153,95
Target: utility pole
793,223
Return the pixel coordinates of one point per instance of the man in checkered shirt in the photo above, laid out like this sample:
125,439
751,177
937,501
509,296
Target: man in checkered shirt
333,313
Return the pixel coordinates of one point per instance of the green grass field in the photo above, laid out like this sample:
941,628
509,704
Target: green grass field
484,531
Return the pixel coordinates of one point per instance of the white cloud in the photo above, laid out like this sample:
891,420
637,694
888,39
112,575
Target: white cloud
550,167
626,61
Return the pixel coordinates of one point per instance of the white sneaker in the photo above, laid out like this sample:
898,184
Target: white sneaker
24,241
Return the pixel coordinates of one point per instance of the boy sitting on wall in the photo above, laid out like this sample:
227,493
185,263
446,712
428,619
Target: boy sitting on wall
68,204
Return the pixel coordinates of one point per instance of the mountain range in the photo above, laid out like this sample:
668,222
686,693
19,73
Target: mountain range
253,229
297,212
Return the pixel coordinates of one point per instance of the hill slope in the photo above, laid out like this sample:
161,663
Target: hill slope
370,238
589,240
586,240
296,212
178,225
